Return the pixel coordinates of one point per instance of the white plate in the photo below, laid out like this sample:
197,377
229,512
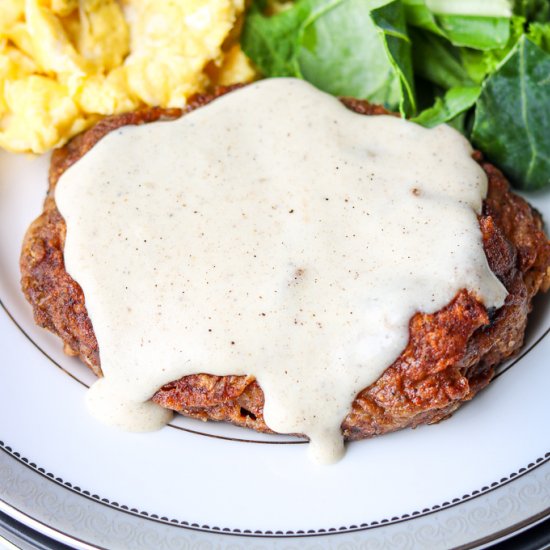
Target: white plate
476,477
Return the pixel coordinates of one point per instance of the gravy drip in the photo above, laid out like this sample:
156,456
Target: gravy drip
273,233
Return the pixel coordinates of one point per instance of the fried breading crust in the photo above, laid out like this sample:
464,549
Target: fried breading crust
451,354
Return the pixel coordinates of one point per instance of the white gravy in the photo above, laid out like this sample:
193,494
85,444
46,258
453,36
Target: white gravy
273,233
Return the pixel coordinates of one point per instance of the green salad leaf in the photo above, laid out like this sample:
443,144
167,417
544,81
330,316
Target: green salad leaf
471,8
311,39
533,10
482,33
419,15
346,29
479,25
445,68
512,119
539,33
481,66
271,42
390,22
455,102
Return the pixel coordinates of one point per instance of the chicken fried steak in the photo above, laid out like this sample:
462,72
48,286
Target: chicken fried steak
450,356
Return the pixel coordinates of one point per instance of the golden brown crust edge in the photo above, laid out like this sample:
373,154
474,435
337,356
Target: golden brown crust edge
450,355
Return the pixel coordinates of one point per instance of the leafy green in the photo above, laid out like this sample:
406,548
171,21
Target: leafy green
272,41
479,64
482,33
390,21
446,108
471,8
512,118
445,68
347,30
485,27
539,33
533,10
311,39
419,15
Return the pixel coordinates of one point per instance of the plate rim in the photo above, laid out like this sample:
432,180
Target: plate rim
26,518
258,533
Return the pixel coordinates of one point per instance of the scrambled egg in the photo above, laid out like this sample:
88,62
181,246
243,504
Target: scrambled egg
66,63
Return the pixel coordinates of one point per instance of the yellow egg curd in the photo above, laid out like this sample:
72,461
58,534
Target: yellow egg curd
66,63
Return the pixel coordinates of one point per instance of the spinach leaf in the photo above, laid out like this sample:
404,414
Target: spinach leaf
539,33
438,61
479,64
390,20
477,8
533,10
341,46
481,33
478,25
512,118
271,42
446,108
341,52
419,15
